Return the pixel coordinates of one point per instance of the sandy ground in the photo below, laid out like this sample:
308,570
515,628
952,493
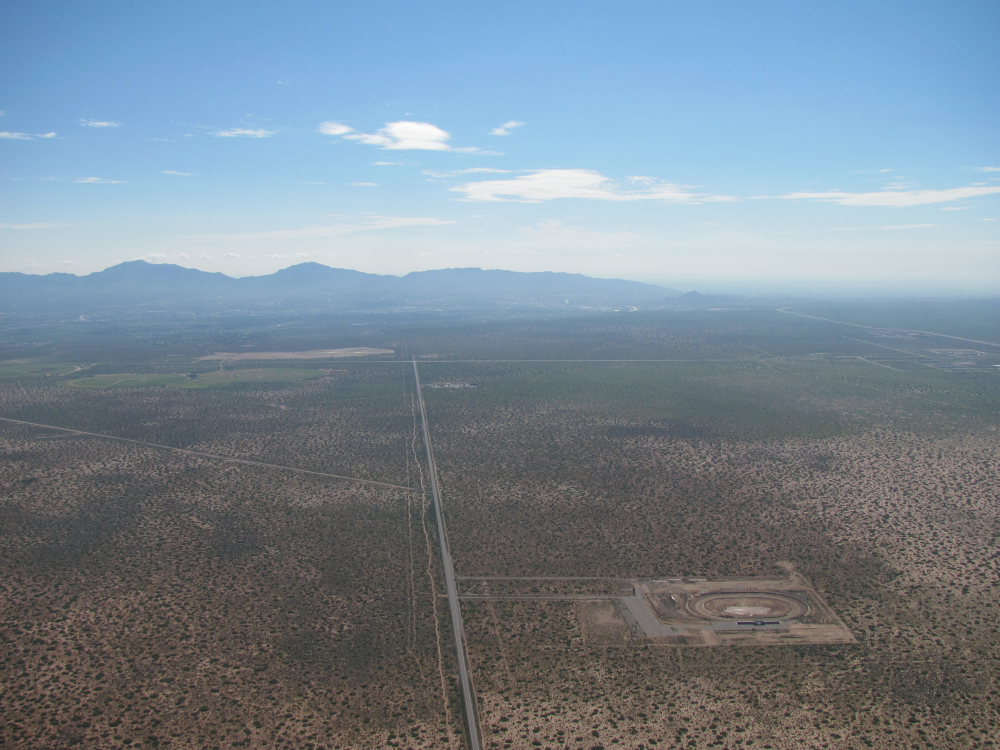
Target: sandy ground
358,351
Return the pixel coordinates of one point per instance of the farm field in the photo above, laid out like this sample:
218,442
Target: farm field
254,560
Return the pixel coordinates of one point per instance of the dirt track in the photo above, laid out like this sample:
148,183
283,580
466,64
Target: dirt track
357,351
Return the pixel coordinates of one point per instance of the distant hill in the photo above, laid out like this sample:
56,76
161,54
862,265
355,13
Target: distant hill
139,285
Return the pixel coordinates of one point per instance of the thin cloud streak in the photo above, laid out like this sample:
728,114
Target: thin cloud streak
24,136
244,133
507,127
550,184
894,198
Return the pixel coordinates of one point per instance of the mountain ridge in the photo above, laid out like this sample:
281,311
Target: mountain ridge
138,283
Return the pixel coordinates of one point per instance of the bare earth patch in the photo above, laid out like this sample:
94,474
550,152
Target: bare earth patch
355,351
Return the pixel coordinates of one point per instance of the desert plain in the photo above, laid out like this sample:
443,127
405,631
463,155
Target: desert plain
256,562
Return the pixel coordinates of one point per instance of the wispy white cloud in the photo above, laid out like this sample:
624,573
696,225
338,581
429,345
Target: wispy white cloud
550,184
100,124
231,255
365,184
474,150
404,135
24,136
506,127
177,174
988,169
894,198
372,224
244,133
67,262
389,163
335,128
40,225
98,181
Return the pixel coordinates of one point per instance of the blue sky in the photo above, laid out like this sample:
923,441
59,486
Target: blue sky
701,143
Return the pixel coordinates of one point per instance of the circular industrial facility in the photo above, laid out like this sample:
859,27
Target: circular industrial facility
747,605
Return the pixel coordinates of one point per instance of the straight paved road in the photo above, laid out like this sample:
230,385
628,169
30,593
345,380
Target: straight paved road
465,684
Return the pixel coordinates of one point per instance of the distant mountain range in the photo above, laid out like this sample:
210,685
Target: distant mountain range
138,285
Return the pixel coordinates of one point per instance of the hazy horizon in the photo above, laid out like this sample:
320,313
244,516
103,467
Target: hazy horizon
776,144
818,288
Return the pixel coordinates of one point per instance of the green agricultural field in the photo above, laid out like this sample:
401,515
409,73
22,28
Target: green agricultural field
195,380
21,370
